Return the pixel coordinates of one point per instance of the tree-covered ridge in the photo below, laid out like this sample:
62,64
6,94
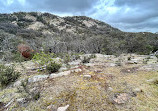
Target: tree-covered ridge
70,34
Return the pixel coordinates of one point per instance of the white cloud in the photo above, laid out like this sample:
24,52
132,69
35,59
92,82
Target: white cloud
22,2
9,2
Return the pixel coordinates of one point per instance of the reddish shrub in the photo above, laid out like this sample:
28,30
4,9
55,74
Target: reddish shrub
25,50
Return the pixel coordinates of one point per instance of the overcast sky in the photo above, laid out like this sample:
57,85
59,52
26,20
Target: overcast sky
127,15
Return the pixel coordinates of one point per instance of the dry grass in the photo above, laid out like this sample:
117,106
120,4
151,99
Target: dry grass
92,94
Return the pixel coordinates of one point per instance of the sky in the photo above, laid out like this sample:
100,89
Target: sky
127,15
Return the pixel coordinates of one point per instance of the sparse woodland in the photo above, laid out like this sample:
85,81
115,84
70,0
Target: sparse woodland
52,63
69,34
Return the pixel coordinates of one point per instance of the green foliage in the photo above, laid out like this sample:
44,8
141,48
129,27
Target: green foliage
77,56
129,58
17,57
25,90
47,60
36,96
156,82
92,56
102,39
33,14
87,59
67,58
7,75
53,67
43,58
14,56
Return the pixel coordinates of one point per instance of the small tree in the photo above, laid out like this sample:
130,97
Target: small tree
7,75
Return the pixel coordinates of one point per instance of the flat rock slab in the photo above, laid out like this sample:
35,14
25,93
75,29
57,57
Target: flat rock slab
38,78
151,67
60,74
63,108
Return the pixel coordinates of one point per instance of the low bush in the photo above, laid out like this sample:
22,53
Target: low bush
43,58
87,59
68,57
7,75
29,91
53,67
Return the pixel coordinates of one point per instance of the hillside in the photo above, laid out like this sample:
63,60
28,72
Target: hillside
79,34
52,63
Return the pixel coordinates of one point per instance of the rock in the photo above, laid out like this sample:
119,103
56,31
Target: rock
38,78
137,90
149,67
17,83
51,108
63,69
89,64
36,26
30,17
63,108
135,61
98,71
87,76
60,74
35,90
156,53
77,62
74,67
110,89
9,103
21,101
100,56
77,70
112,64
131,62
121,98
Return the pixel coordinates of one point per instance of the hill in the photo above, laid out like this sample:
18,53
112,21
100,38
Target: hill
79,34
63,77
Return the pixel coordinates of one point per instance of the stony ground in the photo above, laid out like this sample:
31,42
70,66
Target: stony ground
107,83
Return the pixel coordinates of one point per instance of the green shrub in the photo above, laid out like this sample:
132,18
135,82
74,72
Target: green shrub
26,90
157,57
67,58
92,56
18,58
87,59
13,56
53,67
43,59
7,75
129,58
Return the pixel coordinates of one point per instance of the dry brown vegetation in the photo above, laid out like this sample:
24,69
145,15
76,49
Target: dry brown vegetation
98,87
